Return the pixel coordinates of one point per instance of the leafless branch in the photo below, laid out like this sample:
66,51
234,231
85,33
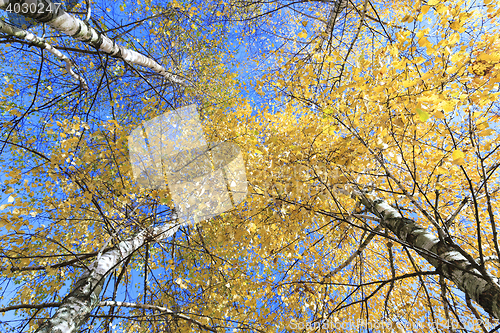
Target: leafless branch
41,43
157,308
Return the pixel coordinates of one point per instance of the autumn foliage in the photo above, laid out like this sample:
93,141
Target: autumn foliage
343,112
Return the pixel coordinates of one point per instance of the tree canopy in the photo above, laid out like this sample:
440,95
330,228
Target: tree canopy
369,135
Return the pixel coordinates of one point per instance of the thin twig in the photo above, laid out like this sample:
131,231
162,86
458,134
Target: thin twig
355,254
157,308
452,217
41,43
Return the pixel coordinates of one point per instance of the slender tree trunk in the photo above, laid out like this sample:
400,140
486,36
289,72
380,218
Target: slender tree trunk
47,12
85,296
449,261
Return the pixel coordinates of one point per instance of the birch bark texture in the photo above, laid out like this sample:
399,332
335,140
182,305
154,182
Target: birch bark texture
55,16
41,43
482,287
85,295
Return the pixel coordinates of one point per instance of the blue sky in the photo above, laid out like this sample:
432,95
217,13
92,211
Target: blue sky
248,71
105,113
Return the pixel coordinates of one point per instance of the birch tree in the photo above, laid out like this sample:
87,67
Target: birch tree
54,16
393,152
83,152
371,149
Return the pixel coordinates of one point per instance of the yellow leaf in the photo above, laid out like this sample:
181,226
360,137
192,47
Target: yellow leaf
409,83
454,38
302,34
440,186
439,114
455,25
458,157
491,57
407,18
9,91
486,132
423,41
10,199
441,171
309,130
422,115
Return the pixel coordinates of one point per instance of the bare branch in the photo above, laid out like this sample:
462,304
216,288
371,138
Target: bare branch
486,259
452,217
157,308
30,306
41,43
63,22
355,254
476,314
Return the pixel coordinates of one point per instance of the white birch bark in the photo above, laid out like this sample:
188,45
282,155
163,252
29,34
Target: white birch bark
485,291
40,42
85,296
54,16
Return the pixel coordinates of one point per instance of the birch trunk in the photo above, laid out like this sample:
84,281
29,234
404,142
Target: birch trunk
40,42
455,267
55,16
84,297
